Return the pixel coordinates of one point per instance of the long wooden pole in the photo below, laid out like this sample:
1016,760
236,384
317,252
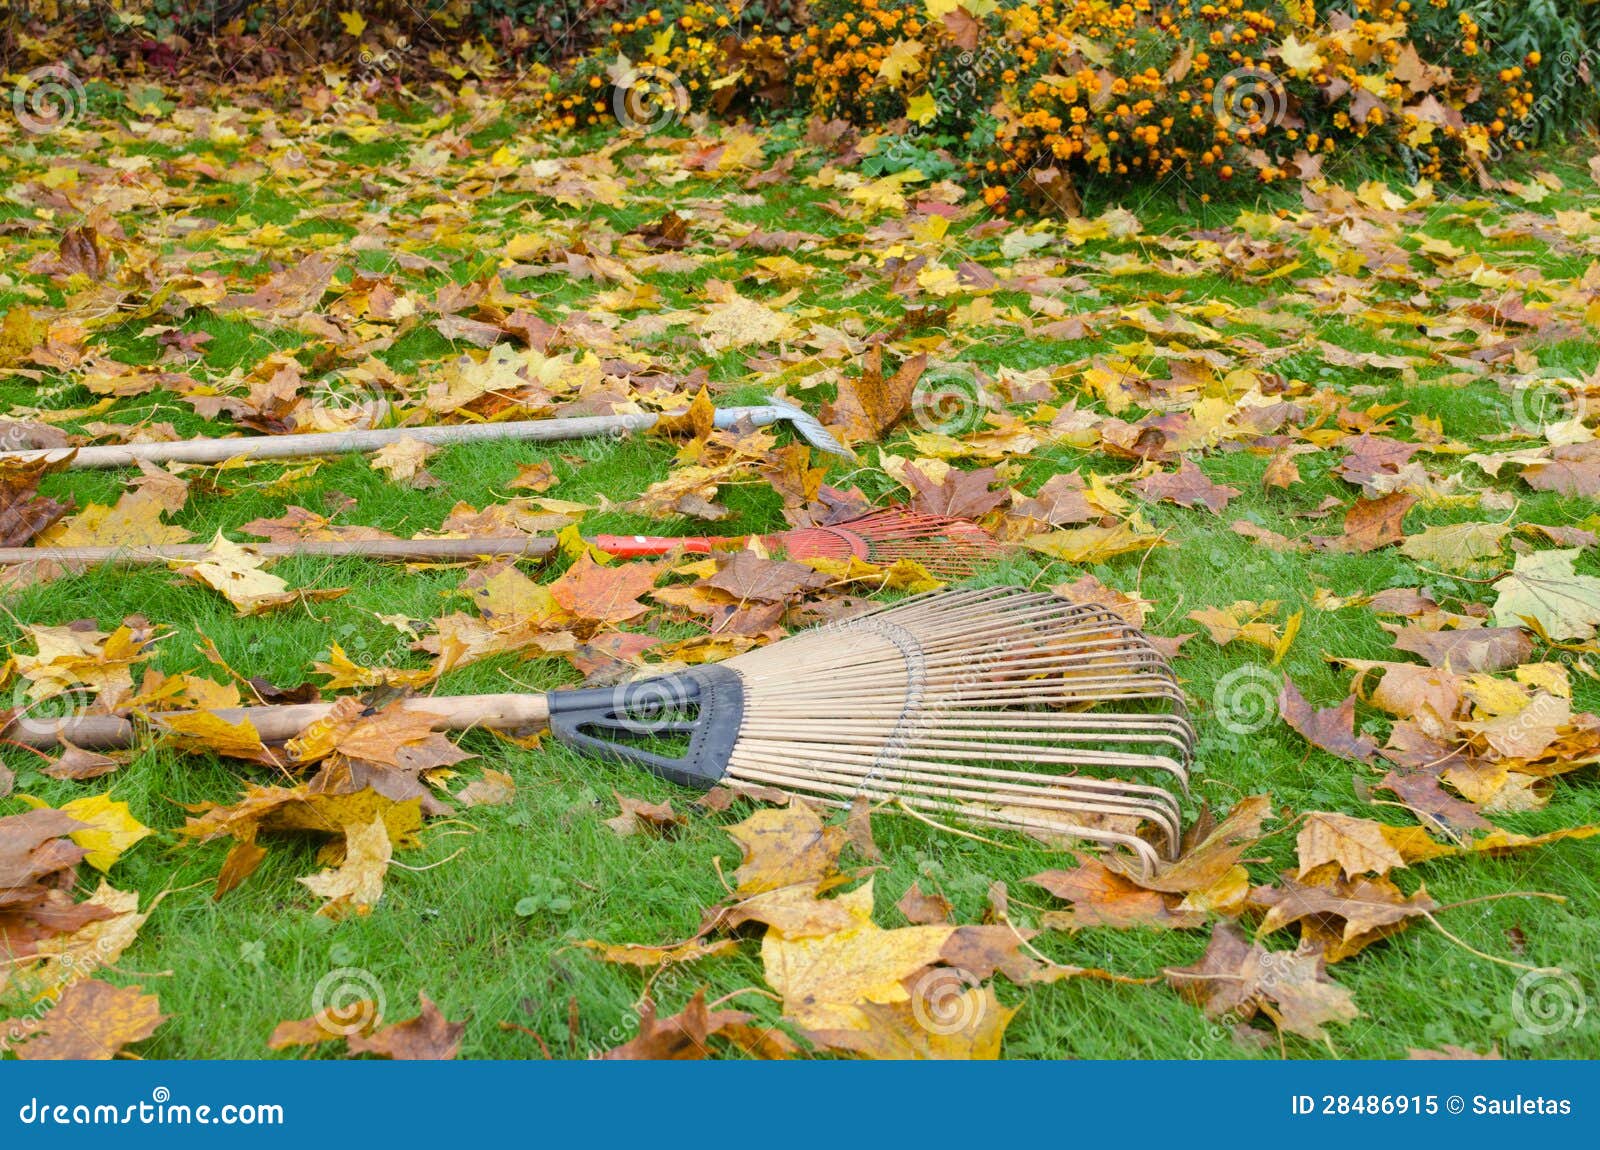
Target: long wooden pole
417,550
334,442
276,722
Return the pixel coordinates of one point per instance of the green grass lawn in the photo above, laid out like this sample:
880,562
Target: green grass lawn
485,916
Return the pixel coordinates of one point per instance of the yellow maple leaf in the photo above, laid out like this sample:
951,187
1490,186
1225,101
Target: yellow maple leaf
110,828
354,23
904,56
922,109
824,981
357,883
230,569
1299,58
65,958
1093,544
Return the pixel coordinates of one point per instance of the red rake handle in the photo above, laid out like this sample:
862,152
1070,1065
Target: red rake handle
644,546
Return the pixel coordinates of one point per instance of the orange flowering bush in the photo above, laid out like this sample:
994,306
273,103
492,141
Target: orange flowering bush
1031,97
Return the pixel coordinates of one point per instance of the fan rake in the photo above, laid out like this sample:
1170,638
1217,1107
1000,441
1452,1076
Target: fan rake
1000,707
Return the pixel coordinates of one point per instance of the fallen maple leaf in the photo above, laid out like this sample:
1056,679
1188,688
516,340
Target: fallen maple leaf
357,883
785,846
237,573
869,405
403,461
491,789
1339,917
823,980
1331,729
1544,587
1372,523
429,1037
1100,897
134,521
106,829
944,1019
1210,864
604,595
92,1020
678,1037
1358,846
1187,487
23,511
651,957
1458,546
923,909
957,494
1237,977
638,815
799,911
747,576
1095,544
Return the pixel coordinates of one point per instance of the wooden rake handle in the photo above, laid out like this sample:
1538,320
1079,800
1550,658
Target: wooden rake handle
417,550
277,722
315,443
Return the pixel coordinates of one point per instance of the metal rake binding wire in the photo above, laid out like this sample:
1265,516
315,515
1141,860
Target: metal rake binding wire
1000,706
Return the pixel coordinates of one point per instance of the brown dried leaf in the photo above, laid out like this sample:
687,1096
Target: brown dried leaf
639,816
678,1037
1187,487
92,1020
605,595
1237,977
1331,728
491,789
429,1037
1100,897
959,494
1359,846
869,405
924,909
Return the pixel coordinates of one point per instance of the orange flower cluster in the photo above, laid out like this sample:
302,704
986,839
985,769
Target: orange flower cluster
1033,92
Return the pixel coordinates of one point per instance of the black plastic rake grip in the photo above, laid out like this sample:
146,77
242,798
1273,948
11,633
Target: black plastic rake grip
610,721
